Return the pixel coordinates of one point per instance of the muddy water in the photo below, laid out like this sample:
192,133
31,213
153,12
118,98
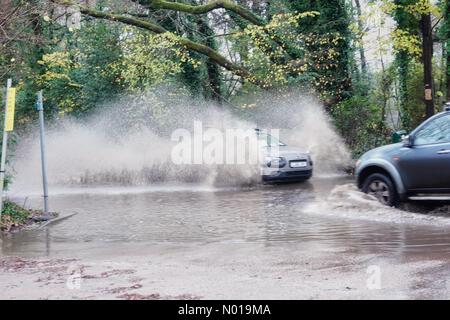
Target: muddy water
305,215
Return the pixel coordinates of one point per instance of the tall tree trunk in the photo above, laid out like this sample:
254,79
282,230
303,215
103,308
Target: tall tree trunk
406,22
212,85
362,53
446,35
427,55
447,69
403,65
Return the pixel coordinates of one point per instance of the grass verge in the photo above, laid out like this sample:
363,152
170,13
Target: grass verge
15,217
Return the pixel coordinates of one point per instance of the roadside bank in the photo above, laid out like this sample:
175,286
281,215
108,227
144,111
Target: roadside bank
15,217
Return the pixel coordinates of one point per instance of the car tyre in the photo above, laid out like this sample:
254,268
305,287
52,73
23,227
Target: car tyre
381,187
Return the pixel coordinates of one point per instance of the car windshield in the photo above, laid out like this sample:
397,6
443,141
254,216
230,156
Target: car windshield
266,140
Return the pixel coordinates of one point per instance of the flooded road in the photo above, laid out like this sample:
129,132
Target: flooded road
318,240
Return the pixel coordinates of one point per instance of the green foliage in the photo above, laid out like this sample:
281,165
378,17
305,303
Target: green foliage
408,48
332,29
148,60
202,78
296,43
13,216
407,42
78,72
73,67
359,120
444,35
413,112
316,59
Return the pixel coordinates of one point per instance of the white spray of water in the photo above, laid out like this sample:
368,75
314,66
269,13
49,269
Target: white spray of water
346,201
306,125
128,142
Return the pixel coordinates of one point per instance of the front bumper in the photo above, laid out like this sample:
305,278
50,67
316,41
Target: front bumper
282,176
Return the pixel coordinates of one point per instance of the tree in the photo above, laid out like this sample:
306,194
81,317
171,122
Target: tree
362,53
445,37
270,38
333,21
407,34
212,54
427,57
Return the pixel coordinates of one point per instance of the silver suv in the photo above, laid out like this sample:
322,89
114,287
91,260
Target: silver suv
282,163
417,168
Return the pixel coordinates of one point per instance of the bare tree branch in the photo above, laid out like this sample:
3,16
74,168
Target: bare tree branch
205,8
190,45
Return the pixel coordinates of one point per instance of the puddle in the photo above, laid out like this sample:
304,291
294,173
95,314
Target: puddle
322,214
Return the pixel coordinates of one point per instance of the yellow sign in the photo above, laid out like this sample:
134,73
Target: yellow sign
10,109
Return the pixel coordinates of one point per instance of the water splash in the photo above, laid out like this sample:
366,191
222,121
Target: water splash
127,142
346,201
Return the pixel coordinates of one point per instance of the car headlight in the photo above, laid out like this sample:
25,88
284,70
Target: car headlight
276,162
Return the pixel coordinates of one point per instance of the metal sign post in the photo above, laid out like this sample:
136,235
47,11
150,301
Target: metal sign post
9,103
40,108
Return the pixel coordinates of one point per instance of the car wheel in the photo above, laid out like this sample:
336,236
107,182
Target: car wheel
381,187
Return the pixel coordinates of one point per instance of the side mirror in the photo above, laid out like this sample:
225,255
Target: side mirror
408,141
398,136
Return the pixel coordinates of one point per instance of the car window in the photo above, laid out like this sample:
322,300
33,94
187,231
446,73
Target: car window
266,140
438,131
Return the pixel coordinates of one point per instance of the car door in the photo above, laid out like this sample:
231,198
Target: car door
426,165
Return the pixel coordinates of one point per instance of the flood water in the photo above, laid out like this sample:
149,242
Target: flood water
120,217
317,240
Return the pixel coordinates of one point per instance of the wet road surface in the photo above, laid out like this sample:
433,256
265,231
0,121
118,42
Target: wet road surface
321,239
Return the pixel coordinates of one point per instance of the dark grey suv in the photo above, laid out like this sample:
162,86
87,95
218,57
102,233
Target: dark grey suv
417,168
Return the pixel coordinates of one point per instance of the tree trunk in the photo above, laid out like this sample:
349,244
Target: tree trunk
447,69
361,47
213,82
446,38
427,54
